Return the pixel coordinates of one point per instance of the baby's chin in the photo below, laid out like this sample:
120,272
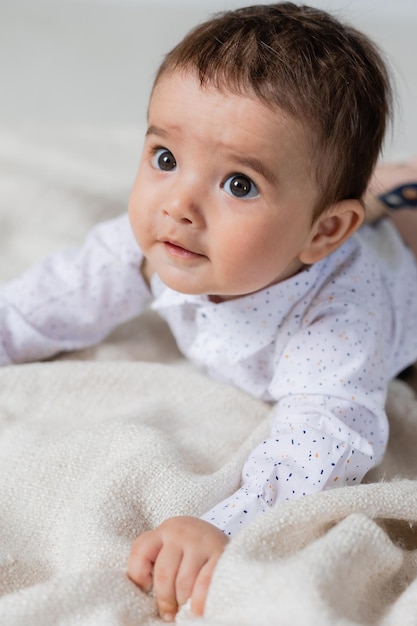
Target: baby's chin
194,290
186,281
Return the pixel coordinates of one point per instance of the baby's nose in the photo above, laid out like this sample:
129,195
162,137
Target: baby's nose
183,206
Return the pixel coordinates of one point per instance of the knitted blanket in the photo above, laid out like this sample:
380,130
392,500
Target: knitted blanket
99,445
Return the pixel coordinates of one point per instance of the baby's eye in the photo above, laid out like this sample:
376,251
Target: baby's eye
240,186
163,159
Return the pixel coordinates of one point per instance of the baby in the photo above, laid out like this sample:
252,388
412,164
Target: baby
264,127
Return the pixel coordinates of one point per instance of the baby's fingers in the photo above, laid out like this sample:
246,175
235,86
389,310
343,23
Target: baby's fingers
142,557
187,574
164,578
201,586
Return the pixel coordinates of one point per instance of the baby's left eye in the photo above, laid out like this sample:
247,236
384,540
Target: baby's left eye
240,186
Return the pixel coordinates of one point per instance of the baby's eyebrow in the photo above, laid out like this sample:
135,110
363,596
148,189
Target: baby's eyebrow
256,165
156,130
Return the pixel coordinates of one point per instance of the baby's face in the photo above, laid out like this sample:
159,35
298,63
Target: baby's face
223,201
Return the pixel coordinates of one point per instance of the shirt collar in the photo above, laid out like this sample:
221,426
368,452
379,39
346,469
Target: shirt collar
245,325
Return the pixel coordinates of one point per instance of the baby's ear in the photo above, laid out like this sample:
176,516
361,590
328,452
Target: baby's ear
331,229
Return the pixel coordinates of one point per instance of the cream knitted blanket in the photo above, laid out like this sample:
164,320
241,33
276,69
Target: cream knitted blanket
100,445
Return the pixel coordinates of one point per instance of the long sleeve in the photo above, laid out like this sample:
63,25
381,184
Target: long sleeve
73,299
328,425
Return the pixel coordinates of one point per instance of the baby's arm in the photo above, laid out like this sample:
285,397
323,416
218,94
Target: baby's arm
324,433
328,426
73,299
177,560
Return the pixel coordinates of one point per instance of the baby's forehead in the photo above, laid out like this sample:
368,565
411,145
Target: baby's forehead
185,88
229,90
172,86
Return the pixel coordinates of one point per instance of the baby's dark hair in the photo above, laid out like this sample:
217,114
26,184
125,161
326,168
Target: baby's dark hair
323,73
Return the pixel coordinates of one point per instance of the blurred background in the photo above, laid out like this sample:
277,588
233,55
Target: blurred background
92,62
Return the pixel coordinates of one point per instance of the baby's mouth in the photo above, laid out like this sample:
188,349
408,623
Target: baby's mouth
178,251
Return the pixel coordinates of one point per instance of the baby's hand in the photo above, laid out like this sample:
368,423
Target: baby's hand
177,561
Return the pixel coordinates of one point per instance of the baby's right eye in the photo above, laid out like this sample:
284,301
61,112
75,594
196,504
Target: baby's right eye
164,160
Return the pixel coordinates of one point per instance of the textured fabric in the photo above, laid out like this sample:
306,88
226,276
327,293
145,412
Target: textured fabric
86,453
